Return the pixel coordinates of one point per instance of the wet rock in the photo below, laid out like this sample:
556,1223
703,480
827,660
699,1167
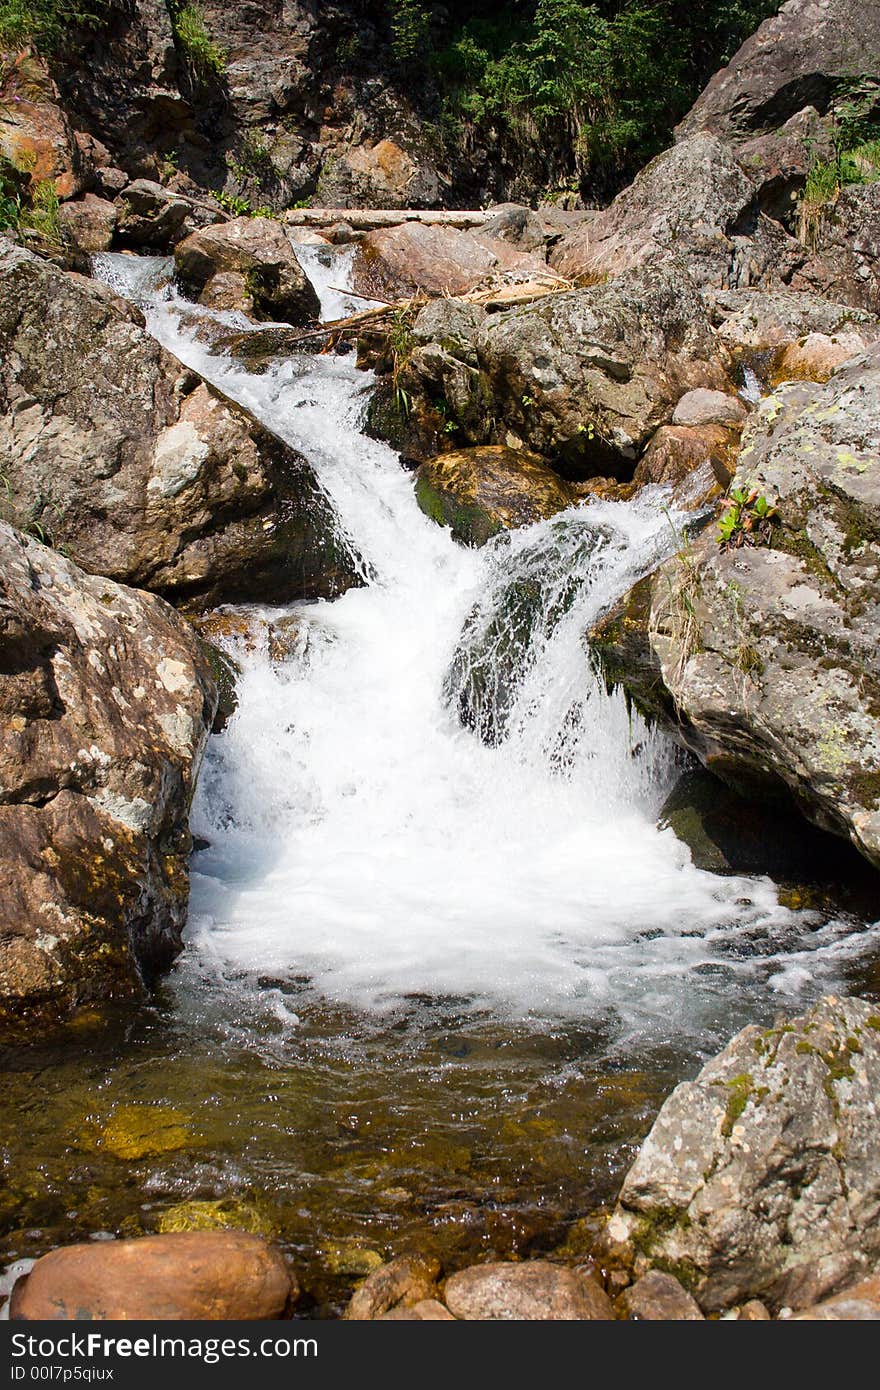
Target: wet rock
88,225
762,1176
113,449
394,262
152,217
429,1310
702,407
142,1131
658,1297
195,1276
225,1214
697,201
247,263
815,357
106,703
535,1290
402,1283
861,1303
479,492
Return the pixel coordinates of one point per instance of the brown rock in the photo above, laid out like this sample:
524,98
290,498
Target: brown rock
383,175
479,492
860,1303
535,1290
402,1283
845,264
273,284
89,224
35,134
106,700
754,1311
675,451
815,357
658,1297
194,1275
429,1310
397,261
703,407
153,217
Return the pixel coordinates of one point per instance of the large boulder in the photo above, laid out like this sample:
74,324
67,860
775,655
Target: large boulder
193,1276
534,1290
765,656
845,263
151,217
248,263
584,377
106,700
479,492
393,262
762,1176
801,57
697,200
111,448
756,320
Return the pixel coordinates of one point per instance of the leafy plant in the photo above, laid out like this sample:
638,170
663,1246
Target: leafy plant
207,59
747,520
410,25
47,23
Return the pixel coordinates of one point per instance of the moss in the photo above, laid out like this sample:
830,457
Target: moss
741,1090
803,1049
143,1131
866,786
873,1021
229,1213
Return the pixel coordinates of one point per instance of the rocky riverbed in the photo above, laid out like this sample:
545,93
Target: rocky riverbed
530,969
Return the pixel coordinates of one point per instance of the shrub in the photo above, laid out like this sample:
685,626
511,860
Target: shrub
206,57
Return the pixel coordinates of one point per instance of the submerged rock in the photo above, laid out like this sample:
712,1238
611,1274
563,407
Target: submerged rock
762,1176
247,264
534,1290
193,1276
114,450
106,702
479,492
402,1283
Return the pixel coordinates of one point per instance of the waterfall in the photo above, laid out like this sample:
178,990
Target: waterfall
435,797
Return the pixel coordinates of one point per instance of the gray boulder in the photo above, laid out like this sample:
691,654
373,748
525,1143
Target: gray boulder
111,448
106,701
247,264
152,217
762,1176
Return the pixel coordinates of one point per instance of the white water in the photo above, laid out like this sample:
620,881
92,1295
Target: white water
362,839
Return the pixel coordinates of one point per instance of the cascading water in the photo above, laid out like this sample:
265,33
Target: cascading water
366,843
442,967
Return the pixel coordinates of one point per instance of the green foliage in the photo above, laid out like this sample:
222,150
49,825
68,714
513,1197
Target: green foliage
205,57
410,25
747,520
46,23
237,206
856,111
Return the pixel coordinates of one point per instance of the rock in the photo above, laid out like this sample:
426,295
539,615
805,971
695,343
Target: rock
228,1213
676,451
534,1290
194,1276
702,407
778,162
815,357
429,1310
394,262
35,133
151,217
697,201
753,1311
861,1303
402,1283
143,1131
89,224
732,635
762,1176
845,263
517,225
110,447
798,58
379,176
106,705
583,377
479,492
658,1297
758,319
268,282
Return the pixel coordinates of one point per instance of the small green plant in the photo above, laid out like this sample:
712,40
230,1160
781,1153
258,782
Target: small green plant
747,520
169,165
410,26
41,215
47,24
207,59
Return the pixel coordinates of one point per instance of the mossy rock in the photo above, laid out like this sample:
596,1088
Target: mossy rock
479,492
227,1213
144,1131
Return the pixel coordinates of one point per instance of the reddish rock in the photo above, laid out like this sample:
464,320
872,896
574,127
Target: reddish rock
860,1303
194,1276
257,260
402,1283
397,261
678,450
658,1297
535,1290
429,1310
